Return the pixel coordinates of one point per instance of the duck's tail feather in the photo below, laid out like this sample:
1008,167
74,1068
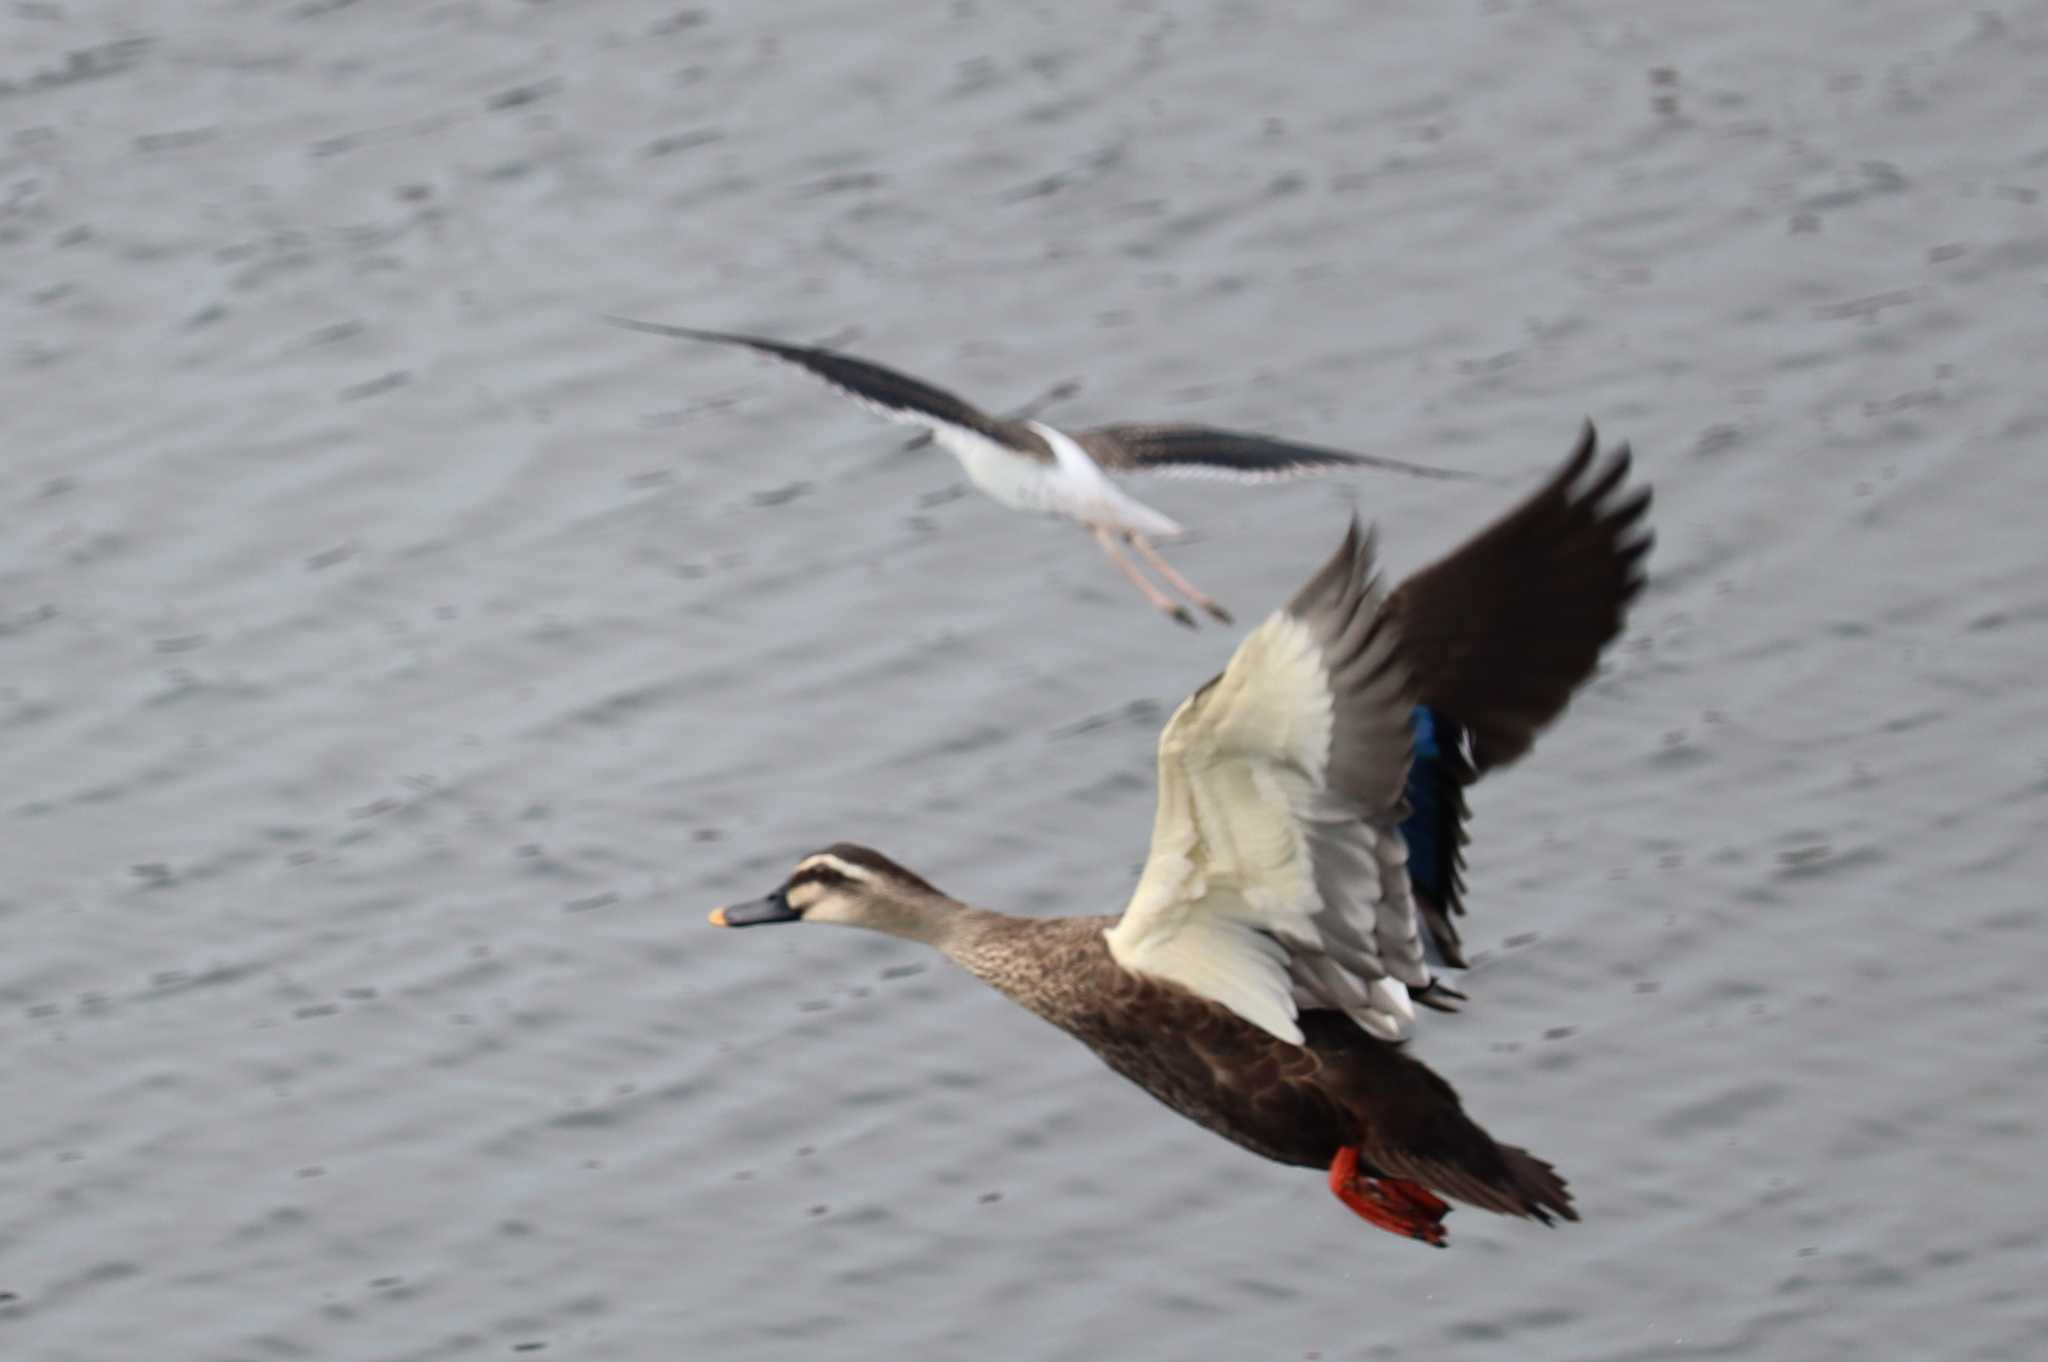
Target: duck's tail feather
1536,1187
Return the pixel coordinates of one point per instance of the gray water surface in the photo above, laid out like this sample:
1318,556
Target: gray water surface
395,664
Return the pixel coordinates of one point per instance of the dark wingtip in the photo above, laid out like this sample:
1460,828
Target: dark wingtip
655,328
683,332
1439,995
1413,470
1582,452
1443,930
1311,459
1365,548
1336,571
1633,555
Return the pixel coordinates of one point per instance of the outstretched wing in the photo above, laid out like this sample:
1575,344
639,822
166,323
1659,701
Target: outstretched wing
1501,632
1275,878
897,396
1206,452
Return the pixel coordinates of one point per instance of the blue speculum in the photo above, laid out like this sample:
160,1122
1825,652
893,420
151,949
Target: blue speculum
1430,829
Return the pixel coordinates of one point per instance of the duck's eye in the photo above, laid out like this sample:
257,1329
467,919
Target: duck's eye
811,884
821,876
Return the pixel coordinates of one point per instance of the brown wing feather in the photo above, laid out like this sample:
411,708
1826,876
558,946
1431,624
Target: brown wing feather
1501,632
1458,772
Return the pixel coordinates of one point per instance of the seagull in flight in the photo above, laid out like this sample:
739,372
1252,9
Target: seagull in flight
1028,465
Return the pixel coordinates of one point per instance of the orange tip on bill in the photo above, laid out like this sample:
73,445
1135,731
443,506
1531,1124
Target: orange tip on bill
718,918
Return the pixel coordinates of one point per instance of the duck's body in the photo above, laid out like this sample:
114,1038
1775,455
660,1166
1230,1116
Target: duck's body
1030,466
1294,1104
1263,977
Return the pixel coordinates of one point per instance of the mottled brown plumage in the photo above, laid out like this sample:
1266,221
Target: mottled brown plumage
1295,1104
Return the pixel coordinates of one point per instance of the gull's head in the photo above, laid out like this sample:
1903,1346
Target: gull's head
845,883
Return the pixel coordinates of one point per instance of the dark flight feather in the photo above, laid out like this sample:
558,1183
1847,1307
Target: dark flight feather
1501,632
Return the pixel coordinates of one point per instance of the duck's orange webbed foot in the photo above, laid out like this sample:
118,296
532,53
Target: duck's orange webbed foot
1404,1208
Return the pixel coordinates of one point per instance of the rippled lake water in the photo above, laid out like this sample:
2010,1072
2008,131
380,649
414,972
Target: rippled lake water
395,664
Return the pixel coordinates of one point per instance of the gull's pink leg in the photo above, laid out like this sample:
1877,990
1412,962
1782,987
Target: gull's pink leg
1174,579
1160,602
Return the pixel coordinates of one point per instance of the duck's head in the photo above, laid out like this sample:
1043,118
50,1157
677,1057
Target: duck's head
848,884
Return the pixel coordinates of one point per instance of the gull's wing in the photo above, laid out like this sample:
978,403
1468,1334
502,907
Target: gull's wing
1206,452
1500,633
897,396
1275,878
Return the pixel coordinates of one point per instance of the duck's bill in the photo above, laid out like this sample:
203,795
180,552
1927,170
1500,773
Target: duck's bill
774,908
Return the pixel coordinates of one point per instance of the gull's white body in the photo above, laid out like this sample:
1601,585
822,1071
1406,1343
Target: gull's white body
1073,485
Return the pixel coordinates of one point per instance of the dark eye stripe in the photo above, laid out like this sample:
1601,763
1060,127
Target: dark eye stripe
822,875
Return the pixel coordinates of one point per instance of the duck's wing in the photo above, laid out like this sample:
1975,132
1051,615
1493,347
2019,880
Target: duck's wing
1500,633
1206,452
1275,877
953,421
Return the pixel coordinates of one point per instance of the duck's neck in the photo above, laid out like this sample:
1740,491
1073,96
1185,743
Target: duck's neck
1044,964
956,928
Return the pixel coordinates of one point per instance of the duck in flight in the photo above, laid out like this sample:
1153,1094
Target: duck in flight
1030,466
1263,977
